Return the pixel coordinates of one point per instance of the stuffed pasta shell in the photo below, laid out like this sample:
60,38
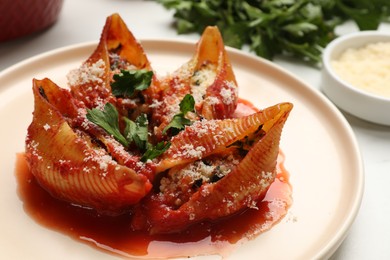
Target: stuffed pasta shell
208,77
218,171
69,163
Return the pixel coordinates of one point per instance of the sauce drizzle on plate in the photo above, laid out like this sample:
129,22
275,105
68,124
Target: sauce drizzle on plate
113,234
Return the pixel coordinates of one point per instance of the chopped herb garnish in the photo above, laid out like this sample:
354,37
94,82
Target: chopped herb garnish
155,151
108,120
128,82
137,131
179,121
187,104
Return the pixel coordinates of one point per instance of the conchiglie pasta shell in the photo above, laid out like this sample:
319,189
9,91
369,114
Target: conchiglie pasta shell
211,49
115,38
216,97
71,167
243,187
207,137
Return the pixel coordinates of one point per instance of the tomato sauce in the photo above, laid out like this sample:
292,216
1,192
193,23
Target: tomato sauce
114,235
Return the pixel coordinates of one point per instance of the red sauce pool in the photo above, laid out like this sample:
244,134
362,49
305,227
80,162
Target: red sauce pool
113,234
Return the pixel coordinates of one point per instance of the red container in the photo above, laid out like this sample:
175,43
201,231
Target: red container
23,17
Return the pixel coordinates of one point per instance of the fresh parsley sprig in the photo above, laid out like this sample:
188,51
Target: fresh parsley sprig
155,151
136,132
179,121
128,82
107,119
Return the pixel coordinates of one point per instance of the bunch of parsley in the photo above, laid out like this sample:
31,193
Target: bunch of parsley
300,28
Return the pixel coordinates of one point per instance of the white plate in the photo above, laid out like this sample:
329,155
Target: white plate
321,151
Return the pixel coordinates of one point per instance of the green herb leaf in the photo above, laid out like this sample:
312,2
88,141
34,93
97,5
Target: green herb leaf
179,121
155,151
137,131
300,29
128,82
108,120
187,104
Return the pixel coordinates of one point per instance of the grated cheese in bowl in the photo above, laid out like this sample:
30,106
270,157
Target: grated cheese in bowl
367,67
356,75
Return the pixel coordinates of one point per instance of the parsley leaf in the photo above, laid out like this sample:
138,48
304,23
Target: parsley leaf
187,104
128,82
137,131
108,120
155,151
179,121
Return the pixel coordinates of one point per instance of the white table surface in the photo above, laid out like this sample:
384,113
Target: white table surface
82,20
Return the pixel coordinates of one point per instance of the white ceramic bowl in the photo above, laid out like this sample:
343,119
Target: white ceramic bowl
362,104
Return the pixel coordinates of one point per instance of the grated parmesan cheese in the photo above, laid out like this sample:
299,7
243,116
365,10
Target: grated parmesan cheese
189,151
229,94
46,127
102,160
212,100
204,127
156,103
367,68
87,73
